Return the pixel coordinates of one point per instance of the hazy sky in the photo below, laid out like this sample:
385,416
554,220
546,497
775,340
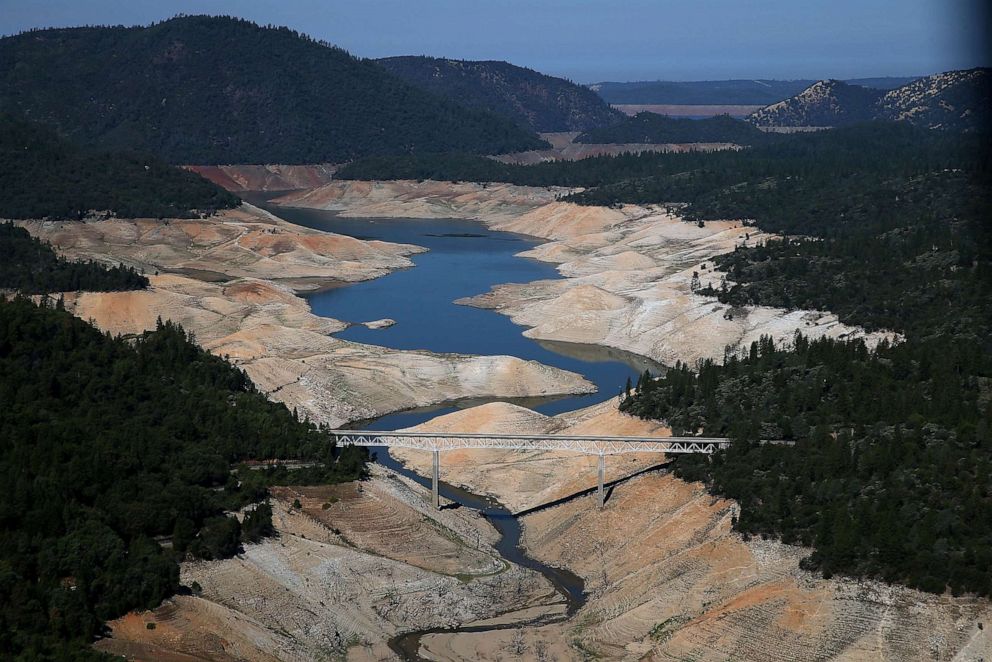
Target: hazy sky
596,40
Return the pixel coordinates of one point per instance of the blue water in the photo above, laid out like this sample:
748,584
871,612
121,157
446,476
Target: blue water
464,259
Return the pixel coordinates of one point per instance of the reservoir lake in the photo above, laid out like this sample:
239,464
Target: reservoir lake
464,259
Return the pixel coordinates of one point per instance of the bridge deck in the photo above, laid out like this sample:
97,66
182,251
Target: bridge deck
591,445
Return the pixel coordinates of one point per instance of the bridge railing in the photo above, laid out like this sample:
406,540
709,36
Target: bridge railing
591,445
588,444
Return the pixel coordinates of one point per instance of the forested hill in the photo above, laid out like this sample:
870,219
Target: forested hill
44,176
531,99
890,476
824,103
115,461
653,128
207,90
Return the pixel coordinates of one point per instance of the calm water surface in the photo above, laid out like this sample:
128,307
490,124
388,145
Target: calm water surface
464,259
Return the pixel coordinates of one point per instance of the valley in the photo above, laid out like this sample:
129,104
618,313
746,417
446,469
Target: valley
241,283
740,290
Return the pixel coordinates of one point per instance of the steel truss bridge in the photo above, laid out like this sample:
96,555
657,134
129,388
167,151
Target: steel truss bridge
588,445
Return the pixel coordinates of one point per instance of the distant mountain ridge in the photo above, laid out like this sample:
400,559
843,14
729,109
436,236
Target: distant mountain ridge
720,92
957,100
207,90
534,100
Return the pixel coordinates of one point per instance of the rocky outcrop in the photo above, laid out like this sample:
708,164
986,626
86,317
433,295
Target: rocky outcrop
960,100
824,103
956,100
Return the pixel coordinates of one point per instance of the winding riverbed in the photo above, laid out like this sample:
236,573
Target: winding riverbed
464,259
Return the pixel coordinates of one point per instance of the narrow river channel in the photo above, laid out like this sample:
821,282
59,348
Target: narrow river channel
464,259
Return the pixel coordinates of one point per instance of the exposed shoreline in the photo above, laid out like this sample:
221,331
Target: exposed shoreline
627,271
667,577
242,271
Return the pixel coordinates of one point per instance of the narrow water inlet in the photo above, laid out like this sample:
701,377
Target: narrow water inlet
569,585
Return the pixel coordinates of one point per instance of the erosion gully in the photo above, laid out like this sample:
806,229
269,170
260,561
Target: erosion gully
464,259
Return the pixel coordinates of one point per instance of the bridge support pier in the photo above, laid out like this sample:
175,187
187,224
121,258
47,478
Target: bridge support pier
436,476
602,476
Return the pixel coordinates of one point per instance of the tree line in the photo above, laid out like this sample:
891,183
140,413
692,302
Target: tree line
220,90
118,459
44,176
652,128
889,473
30,266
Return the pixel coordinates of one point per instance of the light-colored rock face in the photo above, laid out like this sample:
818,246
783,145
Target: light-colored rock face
824,103
427,199
242,243
270,333
354,565
669,580
956,100
949,100
628,271
629,286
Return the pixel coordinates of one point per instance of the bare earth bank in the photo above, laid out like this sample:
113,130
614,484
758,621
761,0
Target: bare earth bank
668,579
629,271
353,566
232,280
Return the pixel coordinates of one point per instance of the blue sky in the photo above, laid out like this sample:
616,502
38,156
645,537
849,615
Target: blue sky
596,40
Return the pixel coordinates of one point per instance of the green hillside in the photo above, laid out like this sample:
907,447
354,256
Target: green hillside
111,446
44,176
531,99
202,90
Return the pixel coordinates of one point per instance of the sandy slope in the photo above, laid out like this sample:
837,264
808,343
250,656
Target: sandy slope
246,242
629,270
340,578
230,285
669,580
